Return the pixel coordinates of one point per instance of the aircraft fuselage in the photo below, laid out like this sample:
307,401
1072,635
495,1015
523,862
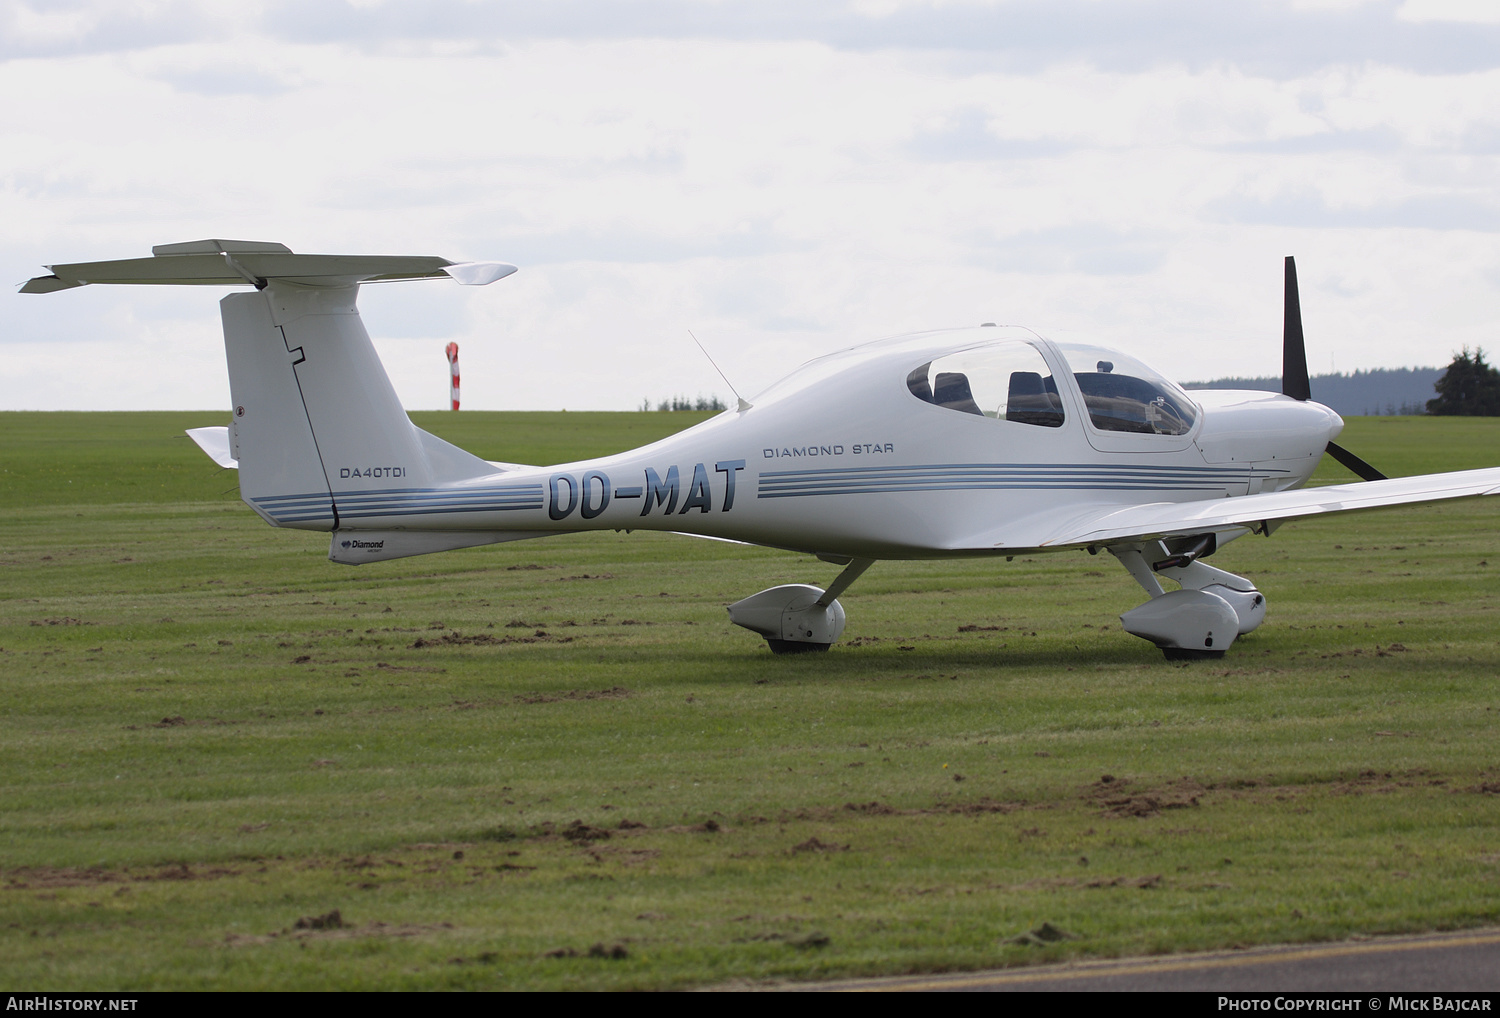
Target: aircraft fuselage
844,459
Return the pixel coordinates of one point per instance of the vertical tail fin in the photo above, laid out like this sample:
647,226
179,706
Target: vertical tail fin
319,432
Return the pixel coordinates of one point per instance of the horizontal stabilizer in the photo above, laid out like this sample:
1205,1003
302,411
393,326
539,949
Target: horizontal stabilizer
254,263
215,442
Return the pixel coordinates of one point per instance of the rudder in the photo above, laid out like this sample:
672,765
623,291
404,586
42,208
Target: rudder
281,473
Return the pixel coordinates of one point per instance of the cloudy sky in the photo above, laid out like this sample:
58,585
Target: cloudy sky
783,178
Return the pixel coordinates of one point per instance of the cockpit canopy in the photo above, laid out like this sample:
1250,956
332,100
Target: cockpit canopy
1011,381
1007,381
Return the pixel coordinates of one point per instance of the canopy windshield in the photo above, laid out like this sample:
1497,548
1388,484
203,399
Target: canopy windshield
1122,394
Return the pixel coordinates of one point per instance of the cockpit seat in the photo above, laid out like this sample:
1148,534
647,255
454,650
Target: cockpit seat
951,389
1032,401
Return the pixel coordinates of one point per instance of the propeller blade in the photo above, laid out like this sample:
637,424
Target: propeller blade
1294,381
1354,463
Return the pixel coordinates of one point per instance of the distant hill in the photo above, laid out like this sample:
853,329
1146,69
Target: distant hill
1381,391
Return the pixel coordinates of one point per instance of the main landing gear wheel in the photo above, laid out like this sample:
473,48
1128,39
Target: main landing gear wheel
790,618
797,617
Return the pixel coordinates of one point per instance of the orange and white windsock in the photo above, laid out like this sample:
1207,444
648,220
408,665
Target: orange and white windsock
452,352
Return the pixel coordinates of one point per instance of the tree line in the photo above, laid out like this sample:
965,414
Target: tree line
1468,388
683,403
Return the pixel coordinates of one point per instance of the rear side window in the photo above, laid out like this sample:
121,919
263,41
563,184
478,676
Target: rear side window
1006,381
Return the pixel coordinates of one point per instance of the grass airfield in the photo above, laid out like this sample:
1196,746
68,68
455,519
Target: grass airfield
555,764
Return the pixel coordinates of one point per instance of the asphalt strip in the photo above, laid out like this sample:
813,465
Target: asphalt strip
1467,961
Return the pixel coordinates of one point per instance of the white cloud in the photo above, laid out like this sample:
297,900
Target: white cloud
1483,12
780,196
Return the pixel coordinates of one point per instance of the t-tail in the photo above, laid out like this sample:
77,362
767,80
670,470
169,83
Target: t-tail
317,432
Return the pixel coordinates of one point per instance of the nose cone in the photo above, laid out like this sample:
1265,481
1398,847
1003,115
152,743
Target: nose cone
1241,426
1335,422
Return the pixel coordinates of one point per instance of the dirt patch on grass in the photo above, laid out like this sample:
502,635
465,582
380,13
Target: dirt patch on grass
46,877
871,809
1143,883
707,827
980,806
613,693
1117,797
1365,782
52,877
1114,798
454,638
336,929
612,952
183,871
628,856
579,832
1395,648
328,921
1370,782
814,844
177,720
1142,806
1043,935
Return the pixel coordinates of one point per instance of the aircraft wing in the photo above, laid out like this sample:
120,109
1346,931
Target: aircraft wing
1110,524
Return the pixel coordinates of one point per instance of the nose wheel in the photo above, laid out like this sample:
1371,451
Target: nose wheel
1201,620
1187,625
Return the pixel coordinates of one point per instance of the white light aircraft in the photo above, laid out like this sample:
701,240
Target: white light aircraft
977,441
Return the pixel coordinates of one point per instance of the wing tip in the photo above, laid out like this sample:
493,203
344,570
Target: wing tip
478,273
49,284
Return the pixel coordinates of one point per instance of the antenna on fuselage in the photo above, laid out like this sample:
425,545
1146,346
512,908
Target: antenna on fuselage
744,404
